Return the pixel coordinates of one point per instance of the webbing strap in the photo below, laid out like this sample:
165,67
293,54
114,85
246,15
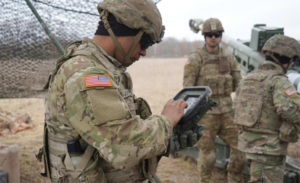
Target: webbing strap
47,172
85,158
104,15
82,163
271,54
133,46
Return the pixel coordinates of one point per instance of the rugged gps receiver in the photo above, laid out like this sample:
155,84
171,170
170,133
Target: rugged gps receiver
187,131
199,102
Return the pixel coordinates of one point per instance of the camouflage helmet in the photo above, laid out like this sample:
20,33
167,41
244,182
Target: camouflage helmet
282,45
212,25
136,14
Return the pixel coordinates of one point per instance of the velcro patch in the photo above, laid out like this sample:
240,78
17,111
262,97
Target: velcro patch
187,62
213,25
290,91
97,80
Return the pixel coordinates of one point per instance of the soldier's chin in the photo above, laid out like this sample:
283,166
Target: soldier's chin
125,64
213,45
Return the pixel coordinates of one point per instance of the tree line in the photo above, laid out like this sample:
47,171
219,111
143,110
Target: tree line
171,48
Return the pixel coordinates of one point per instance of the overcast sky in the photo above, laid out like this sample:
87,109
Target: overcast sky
237,16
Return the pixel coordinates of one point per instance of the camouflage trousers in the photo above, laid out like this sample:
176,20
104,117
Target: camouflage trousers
221,125
265,168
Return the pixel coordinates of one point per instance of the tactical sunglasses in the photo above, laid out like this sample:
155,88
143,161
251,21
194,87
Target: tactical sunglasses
146,40
211,34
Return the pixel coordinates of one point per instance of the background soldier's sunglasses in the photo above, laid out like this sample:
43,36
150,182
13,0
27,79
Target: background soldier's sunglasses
211,34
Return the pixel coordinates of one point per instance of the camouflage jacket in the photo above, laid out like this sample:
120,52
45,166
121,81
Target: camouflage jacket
279,104
104,116
203,69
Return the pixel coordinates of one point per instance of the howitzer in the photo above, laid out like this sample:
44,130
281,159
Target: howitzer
249,56
248,53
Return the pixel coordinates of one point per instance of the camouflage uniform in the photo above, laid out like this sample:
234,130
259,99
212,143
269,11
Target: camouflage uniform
105,118
203,69
267,112
91,104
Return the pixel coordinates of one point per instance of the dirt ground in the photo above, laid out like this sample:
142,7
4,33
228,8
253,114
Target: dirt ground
156,80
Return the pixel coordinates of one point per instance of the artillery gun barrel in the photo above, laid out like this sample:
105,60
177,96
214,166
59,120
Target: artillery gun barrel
294,77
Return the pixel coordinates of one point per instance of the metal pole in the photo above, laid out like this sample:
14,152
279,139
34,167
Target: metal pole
157,180
52,37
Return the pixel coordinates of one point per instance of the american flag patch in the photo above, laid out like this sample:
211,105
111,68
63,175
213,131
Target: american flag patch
291,91
97,80
187,62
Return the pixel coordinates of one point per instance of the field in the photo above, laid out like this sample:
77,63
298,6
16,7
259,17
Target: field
156,80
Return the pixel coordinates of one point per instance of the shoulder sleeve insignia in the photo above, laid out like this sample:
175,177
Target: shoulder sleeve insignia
97,80
290,91
187,62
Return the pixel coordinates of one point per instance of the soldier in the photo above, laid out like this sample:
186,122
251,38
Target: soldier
267,111
215,67
96,130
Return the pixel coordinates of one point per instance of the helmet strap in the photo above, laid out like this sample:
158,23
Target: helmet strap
271,54
127,61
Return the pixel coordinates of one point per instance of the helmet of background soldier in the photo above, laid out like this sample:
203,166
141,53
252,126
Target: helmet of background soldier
282,45
135,14
212,25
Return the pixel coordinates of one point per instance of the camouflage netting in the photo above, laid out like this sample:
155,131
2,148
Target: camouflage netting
27,53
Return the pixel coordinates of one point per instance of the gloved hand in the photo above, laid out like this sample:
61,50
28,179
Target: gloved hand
190,138
184,140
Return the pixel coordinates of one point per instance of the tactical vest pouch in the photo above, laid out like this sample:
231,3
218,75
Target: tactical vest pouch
143,108
288,132
228,84
212,82
149,168
220,84
224,65
250,100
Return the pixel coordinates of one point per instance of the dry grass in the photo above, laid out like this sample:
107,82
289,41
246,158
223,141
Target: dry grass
156,80
29,141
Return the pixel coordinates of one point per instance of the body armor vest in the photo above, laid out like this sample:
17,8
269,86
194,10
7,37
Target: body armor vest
215,72
55,148
254,107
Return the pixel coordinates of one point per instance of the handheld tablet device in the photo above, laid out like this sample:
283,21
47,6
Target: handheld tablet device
187,131
199,102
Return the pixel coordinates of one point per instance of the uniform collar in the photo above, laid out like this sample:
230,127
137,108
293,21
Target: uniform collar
278,67
91,43
215,53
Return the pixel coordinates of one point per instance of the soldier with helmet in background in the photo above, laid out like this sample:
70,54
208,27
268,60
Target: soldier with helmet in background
267,110
96,130
217,68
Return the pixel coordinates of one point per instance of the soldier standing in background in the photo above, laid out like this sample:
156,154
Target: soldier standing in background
267,111
215,67
96,130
